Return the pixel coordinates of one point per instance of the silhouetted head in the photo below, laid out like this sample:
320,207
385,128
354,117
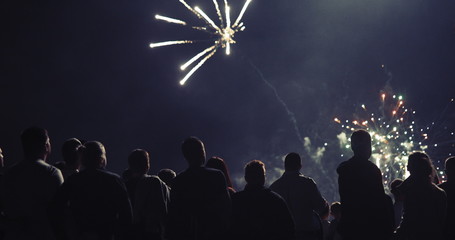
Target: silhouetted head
335,210
420,166
166,175
393,188
218,163
1,158
70,153
450,167
139,161
361,144
255,173
194,152
292,162
93,155
35,143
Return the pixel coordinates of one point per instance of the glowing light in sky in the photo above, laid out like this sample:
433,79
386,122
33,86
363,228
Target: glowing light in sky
224,33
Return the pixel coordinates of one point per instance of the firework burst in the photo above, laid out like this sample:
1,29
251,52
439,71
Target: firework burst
394,135
223,33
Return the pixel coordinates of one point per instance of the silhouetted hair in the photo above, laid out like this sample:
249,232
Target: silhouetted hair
194,152
255,172
218,163
394,185
69,150
93,154
419,165
335,208
166,175
34,141
292,162
450,165
139,161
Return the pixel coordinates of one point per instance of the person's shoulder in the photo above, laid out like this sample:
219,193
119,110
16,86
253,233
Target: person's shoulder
438,189
276,184
343,166
238,196
212,171
444,185
213,174
47,167
273,196
306,179
152,179
271,193
108,175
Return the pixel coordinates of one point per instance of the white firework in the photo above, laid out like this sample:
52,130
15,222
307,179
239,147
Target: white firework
224,33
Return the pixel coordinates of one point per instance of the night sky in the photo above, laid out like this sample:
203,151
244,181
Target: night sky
84,69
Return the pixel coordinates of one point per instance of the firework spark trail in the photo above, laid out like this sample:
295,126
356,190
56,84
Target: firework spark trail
207,19
195,58
236,23
218,12
169,43
170,20
224,34
305,142
190,9
195,68
282,102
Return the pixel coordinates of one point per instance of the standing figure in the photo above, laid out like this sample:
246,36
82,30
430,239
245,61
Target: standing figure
97,199
425,204
302,197
149,197
365,209
259,213
29,187
449,188
200,204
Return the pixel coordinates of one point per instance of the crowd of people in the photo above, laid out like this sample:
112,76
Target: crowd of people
79,199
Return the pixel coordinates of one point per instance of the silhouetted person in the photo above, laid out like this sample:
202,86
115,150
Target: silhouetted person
98,199
335,211
71,163
200,203
449,188
167,175
399,199
149,196
220,164
425,204
302,197
366,212
258,212
29,187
